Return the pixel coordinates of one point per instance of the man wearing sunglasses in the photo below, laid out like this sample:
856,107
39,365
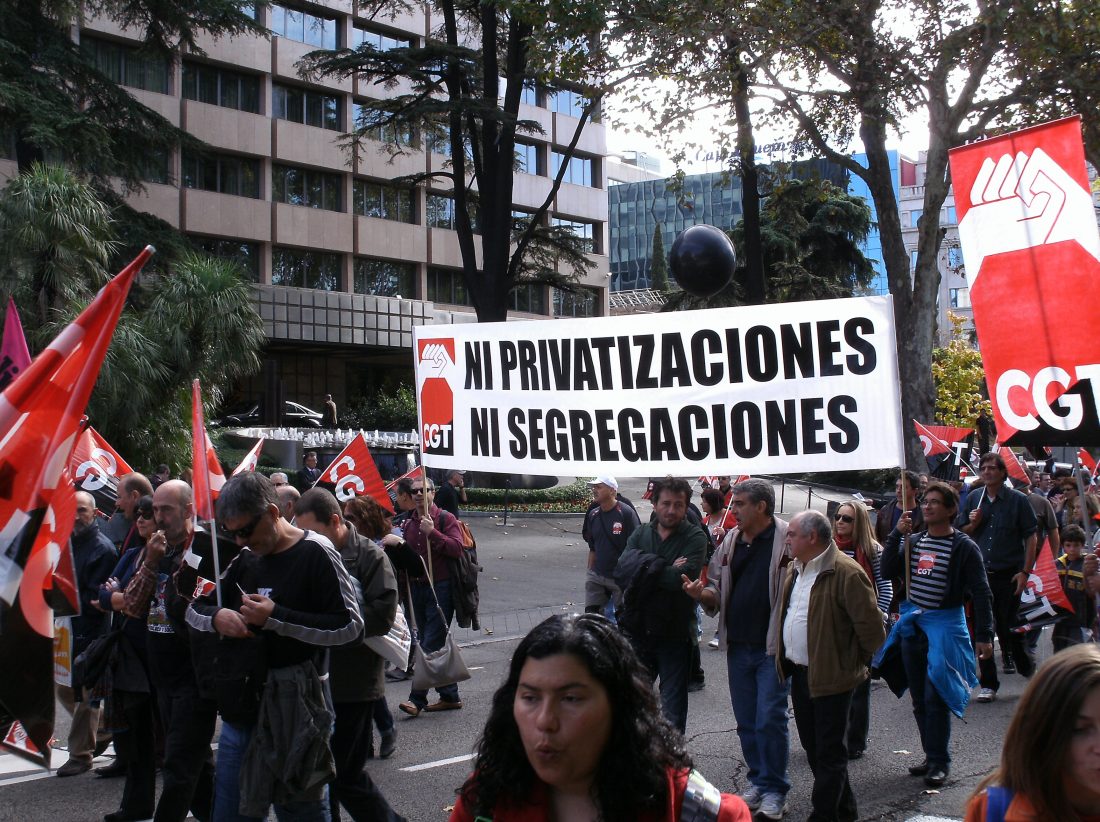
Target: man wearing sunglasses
285,601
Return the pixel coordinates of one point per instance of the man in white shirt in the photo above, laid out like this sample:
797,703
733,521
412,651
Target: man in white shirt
830,628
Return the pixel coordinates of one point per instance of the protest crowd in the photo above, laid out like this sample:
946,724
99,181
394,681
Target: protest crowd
808,610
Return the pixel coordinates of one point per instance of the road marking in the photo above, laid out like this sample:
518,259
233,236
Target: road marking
477,668
439,763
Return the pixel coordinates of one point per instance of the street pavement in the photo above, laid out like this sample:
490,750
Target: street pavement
534,567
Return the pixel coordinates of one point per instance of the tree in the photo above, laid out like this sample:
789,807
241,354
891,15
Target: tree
959,378
836,71
55,102
455,96
194,320
810,234
658,272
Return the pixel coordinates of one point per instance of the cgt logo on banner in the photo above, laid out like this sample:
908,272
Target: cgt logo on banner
435,360
1028,232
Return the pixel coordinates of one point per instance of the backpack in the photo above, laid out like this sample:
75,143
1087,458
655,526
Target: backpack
464,570
647,611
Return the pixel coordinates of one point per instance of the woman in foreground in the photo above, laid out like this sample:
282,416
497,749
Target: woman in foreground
556,747
1050,761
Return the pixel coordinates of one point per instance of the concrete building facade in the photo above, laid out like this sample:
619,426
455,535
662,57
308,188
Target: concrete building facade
345,262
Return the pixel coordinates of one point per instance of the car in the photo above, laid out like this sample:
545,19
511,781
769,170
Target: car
295,415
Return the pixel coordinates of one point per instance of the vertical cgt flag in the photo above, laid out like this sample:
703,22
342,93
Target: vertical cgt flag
39,420
1028,232
14,356
251,459
96,468
353,473
207,476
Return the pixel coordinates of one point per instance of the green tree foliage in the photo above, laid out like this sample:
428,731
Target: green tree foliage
810,233
959,378
457,101
390,408
193,319
658,273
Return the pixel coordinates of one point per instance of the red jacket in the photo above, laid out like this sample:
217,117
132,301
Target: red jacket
537,809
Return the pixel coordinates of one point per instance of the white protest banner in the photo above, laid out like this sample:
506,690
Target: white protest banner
764,389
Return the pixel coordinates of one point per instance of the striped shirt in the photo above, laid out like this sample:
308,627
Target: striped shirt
928,560
884,588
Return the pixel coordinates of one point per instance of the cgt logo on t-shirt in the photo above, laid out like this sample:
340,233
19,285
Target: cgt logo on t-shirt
925,564
617,529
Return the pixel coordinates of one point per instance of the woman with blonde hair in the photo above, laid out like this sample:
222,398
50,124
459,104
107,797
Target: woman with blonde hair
1050,759
854,536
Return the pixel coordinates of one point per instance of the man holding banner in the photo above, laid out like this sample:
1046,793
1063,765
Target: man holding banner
1002,522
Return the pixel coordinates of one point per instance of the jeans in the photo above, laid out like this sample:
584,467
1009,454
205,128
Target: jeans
759,700
353,788
188,772
232,744
383,719
432,631
670,662
822,725
1005,607
931,712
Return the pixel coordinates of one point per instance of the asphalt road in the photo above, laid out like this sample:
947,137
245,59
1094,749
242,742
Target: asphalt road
534,567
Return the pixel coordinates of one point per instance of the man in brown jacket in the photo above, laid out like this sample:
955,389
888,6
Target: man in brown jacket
828,627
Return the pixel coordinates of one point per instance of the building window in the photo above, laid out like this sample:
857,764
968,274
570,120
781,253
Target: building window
579,171
913,259
157,167
384,278
223,173
383,201
125,66
294,185
374,125
566,101
221,87
246,255
439,212
445,285
379,40
954,257
914,218
530,95
300,105
950,217
581,303
529,159
528,297
305,269
960,297
303,26
586,231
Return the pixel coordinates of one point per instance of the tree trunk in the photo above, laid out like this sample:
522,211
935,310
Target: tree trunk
755,290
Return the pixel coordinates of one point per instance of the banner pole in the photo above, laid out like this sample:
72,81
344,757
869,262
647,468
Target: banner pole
905,537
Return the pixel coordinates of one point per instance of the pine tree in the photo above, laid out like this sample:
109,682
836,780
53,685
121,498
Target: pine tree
658,267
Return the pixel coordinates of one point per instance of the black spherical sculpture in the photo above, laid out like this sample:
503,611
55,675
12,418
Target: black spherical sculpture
702,260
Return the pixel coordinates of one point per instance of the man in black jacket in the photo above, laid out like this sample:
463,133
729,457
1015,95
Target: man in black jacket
357,679
93,559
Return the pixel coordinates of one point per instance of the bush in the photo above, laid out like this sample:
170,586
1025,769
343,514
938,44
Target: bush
388,409
560,499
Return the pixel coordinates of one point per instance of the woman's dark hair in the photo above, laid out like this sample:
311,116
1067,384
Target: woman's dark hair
1037,742
368,517
714,499
145,505
632,773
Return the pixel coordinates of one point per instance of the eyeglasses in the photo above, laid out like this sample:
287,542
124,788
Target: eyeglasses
246,531
844,518
419,492
144,514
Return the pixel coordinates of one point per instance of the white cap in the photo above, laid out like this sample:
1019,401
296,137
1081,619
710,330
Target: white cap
610,482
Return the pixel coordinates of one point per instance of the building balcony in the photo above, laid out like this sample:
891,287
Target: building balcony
226,215
313,228
228,128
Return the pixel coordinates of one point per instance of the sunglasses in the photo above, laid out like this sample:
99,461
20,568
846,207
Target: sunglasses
418,492
246,531
144,514
845,518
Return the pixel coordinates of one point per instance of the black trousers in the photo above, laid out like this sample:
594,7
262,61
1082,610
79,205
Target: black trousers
859,718
135,747
822,724
188,773
1005,607
353,788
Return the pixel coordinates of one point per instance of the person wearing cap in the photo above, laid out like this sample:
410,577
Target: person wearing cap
451,492
607,526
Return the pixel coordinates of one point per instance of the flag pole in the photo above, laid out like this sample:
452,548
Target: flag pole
905,537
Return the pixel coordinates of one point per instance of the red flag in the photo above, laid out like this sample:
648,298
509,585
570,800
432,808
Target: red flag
354,473
1042,595
712,481
412,472
940,439
1015,470
207,477
1027,226
1085,458
14,356
39,419
19,743
95,467
251,459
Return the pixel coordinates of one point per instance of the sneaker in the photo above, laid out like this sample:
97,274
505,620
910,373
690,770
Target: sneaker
713,642
752,797
773,806
986,695
1009,667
